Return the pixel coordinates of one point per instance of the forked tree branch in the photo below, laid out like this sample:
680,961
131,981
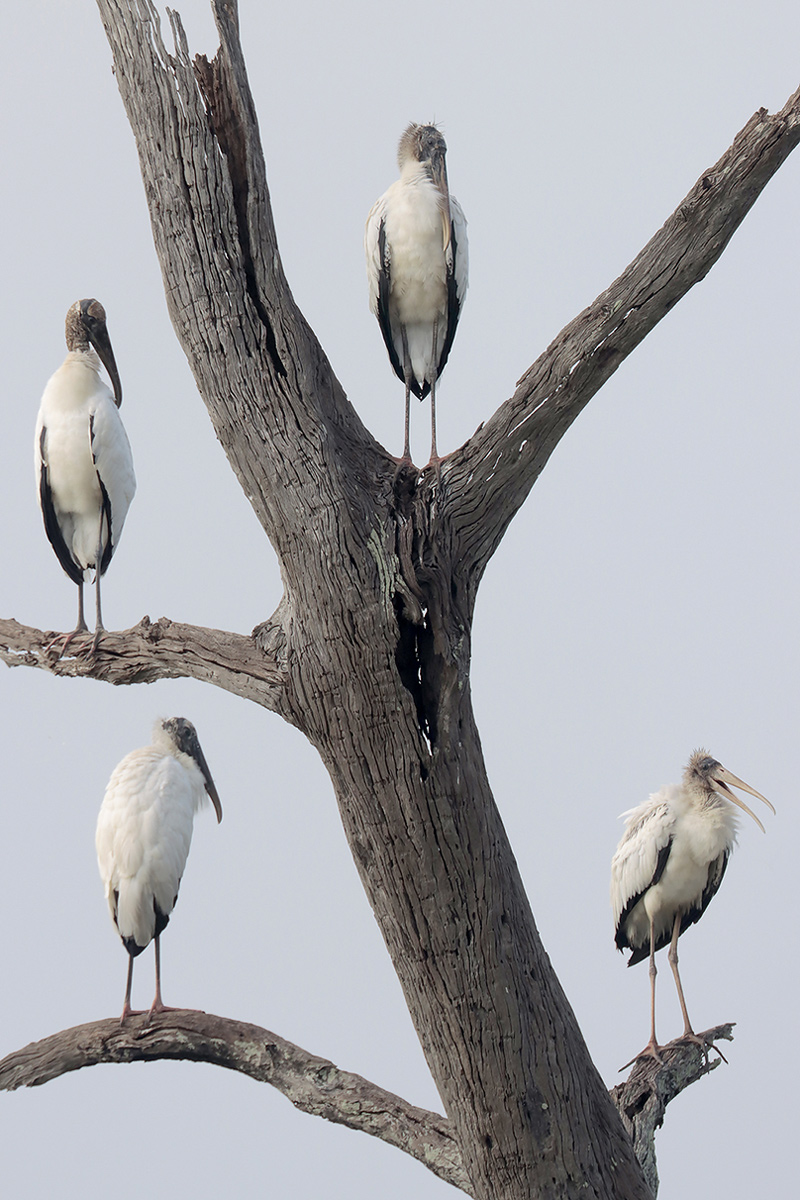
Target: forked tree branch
490,476
316,1086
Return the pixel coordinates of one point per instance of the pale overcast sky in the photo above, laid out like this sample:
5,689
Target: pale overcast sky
643,603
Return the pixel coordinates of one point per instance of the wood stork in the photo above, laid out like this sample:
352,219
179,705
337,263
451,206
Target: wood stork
669,865
417,265
144,831
84,468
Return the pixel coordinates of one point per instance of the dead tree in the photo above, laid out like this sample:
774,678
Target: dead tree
368,652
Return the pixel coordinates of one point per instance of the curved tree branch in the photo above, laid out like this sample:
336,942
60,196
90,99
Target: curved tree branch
248,666
313,1084
316,1086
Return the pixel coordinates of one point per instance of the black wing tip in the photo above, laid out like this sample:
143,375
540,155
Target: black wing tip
132,946
638,955
622,943
53,531
162,919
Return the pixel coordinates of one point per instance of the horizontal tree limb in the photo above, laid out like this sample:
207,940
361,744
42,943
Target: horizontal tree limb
249,666
313,1084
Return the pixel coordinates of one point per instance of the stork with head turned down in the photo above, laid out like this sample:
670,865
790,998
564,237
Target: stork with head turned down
84,467
144,831
669,865
417,266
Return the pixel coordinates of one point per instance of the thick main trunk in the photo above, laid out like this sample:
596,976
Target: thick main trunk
389,708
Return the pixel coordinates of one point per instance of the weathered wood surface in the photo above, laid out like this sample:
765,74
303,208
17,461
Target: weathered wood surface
369,652
154,650
643,1098
313,1084
317,1086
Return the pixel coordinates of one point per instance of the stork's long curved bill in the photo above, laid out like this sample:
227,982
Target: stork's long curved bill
724,780
439,175
212,791
200,759
98,336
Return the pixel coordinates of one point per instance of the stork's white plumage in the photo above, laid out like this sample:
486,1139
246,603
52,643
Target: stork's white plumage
84,467
670,863
144,831
417,266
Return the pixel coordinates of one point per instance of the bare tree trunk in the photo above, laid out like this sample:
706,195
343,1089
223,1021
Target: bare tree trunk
369,651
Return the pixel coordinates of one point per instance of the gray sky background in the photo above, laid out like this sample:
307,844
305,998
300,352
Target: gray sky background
644,602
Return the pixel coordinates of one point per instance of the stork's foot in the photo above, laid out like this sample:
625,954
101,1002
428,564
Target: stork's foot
705,1045
127,1011
64,640
158,1007
435,465
651,1050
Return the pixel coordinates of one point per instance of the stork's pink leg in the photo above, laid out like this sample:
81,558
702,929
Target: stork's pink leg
652,1048
434,453
158,1004
688,1034
63,641
407,376
127,1011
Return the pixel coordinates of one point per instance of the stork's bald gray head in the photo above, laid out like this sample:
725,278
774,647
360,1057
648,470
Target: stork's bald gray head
422,143
183,736
85,327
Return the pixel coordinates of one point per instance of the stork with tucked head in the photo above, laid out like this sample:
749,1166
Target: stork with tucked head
669,865
417,266
144,831
84,466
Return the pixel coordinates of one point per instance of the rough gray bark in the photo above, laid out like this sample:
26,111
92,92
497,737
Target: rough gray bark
369,651
158,650
317,1086
643,1098
313,1084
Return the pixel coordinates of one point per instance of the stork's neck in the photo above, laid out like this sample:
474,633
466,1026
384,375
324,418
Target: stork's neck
719,811
414,172
712,800
84,357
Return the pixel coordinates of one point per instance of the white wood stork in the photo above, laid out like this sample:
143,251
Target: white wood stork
669,865
417,265
144,831
84,468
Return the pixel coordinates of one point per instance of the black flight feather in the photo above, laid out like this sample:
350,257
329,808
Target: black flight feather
51,525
